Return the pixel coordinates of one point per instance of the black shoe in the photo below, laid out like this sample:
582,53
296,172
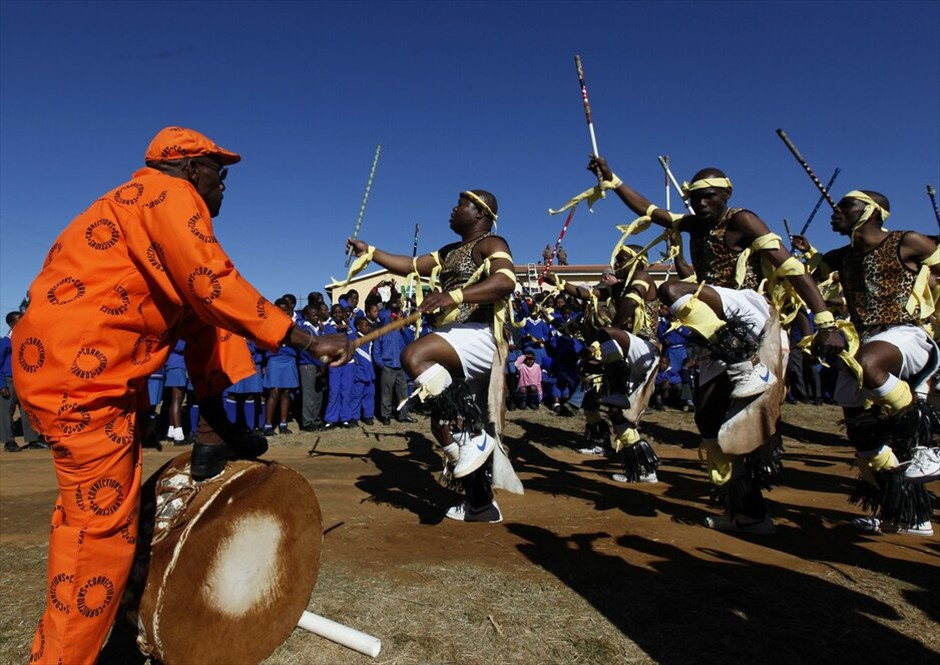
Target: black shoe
208,459
329,426
345,423
352,423
269,431
385,421
282,429
37,445
188,440
368,421
311,428
11,447
407,419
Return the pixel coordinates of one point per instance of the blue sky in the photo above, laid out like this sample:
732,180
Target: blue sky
461,95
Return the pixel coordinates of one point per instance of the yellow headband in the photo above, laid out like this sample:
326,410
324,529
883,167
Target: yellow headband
705,183
870,207
479,203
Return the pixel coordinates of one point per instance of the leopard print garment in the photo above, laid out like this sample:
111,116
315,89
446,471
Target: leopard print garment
456,268
714,261
648,332
877,285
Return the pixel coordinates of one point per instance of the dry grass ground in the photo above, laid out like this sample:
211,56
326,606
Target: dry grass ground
583,570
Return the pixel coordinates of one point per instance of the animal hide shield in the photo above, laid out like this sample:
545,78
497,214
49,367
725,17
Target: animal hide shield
752,423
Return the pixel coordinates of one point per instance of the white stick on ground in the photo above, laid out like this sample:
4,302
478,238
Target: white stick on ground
337,632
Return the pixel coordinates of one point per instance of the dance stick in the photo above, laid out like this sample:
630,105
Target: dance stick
564,230
414,248
587,114
796,153
932,193
337,632
365,199
665,163
675,183
835,174
786,225
397,324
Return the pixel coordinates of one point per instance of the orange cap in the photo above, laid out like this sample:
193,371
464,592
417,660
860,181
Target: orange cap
178,142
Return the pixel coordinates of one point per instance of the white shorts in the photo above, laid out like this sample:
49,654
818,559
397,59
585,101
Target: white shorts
746,304
474,345
641,355
919,360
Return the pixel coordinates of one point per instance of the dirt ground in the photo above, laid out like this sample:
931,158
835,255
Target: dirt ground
582,569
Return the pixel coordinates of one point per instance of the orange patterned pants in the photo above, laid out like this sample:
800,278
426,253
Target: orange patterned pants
91,547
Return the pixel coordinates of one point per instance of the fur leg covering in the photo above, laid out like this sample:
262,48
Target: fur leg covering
761,469
734,342
457,404
478,486
882,488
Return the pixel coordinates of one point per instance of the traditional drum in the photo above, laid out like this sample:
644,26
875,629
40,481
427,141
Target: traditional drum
232,561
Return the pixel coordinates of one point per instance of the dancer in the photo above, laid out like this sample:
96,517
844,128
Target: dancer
738,406
452,367
885,276
628,357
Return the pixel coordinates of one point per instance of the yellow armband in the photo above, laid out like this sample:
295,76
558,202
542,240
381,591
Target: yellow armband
591,195
456,295
766,241
791,268
824,321
357,266
921,298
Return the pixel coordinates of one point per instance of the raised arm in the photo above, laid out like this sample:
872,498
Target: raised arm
633,199
396,263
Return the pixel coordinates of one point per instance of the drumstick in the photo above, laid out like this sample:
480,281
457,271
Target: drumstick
337,632
796,153
587,115
365,199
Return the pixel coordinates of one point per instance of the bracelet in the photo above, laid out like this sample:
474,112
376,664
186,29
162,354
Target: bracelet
824,321
456,295
309,341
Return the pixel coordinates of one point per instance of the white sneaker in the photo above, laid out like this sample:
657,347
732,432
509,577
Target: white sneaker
645,478
489,514
474,451
749,380
596,450
924,465
875,525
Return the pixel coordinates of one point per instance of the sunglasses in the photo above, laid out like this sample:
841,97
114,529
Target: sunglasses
220,170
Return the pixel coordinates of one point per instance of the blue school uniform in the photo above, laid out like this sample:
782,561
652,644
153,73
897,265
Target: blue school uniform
250,384
174,371
339,406
281,369
363,388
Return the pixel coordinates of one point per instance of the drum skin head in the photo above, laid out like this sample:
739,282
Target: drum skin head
233,562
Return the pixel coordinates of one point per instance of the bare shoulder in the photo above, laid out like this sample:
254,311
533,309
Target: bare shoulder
492,244
916,245
748,224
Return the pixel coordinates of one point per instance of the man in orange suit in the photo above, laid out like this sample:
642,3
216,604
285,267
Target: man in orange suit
138,270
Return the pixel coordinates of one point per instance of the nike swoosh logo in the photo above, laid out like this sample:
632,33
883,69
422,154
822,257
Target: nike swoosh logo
482,445
766,377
